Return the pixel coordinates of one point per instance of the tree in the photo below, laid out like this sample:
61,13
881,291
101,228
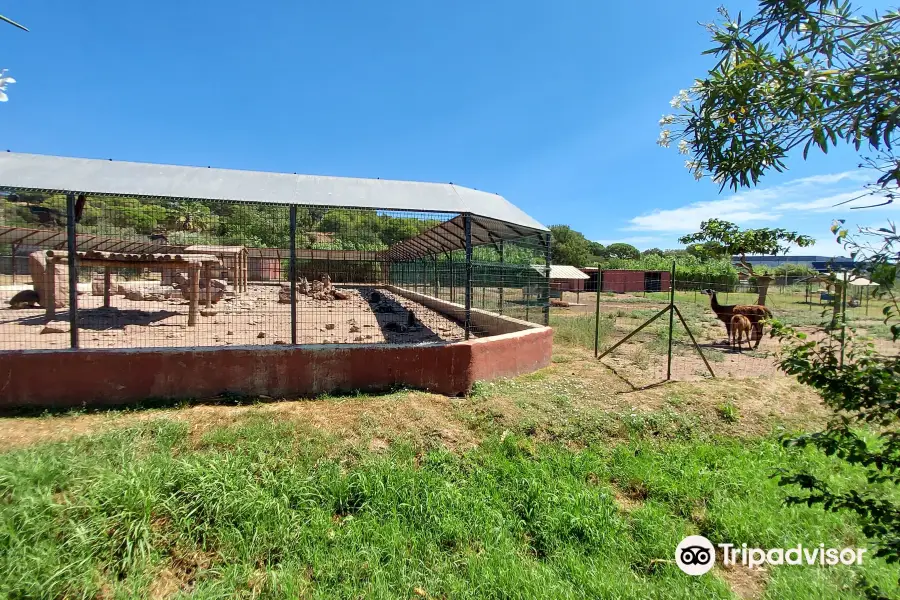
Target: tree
569,247
812,74
620,250
597,249
651,251
4,78
862,387
722,239
801,74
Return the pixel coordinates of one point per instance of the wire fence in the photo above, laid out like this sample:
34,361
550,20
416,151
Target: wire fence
157,273
701,343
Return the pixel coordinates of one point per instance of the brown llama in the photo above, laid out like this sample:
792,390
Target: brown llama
740,326
754,312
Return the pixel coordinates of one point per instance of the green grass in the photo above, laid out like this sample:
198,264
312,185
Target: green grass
580,330
265,509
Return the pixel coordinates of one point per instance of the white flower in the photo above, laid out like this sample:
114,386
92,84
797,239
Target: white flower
683,147
667,120
698,174
691,165
4,80
663,139
680,99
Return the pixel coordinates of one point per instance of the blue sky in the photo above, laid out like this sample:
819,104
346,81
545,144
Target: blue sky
554,105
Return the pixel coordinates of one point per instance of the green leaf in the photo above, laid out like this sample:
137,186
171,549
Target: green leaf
11,22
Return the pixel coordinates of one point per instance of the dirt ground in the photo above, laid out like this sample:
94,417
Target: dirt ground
255,317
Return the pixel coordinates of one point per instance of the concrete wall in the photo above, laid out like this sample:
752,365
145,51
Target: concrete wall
72,378
485,322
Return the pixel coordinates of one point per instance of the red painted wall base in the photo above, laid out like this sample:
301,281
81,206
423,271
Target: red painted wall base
72,378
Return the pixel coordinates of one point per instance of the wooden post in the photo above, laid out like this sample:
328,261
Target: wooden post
194,272
207,274
49,289
107,283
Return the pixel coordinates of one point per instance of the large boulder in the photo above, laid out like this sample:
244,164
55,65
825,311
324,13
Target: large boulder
151,293
217,294
97,284
284,293
38,267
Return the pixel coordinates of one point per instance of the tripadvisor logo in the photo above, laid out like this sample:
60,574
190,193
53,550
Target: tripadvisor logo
696,555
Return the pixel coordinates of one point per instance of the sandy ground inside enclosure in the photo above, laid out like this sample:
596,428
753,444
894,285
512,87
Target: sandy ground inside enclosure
255,317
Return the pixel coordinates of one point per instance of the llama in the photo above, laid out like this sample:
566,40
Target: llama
740,326
754,312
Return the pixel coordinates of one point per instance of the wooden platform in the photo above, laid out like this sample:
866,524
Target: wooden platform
125,260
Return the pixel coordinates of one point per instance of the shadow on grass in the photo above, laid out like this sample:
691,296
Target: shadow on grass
226,399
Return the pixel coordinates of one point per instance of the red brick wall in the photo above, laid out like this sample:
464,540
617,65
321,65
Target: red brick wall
70,378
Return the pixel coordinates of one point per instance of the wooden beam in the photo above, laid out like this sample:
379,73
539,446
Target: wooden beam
194,272
107,283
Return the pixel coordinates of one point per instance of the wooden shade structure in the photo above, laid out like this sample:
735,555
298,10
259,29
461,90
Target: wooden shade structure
193,263
234,262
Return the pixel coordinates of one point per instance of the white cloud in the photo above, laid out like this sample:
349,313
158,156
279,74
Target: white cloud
635,240
745,207
815,194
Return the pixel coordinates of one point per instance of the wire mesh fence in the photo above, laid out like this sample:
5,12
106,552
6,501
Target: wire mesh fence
705,305
157,273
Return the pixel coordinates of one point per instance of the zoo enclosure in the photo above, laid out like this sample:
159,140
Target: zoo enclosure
657,352
278,258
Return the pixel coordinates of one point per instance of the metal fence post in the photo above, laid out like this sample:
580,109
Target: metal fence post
502,282
73,273
597,314
844,315
547,282
671,319
292,270
468,223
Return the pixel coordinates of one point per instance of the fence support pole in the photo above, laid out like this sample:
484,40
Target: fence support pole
73,273
468,222
15,270
844,314
597,313
671,319
292,270
546,287
502,279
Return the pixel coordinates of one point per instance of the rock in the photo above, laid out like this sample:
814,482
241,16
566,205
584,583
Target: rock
303,286
261,334
358,338
180,280
339,295
354,329
396,327
230,333
216,283
57,327
329,326
38,266
24,299
97,284
279,342
208,313
217,294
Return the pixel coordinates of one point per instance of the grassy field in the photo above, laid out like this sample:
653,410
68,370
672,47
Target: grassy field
558,484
